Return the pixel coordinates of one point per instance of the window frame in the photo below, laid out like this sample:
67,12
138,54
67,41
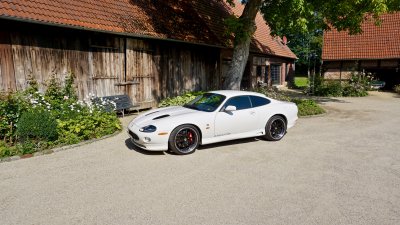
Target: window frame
226,102
255,96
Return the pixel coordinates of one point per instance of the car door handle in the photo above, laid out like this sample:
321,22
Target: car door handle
252,113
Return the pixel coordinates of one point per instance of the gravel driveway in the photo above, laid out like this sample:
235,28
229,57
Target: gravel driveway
340,168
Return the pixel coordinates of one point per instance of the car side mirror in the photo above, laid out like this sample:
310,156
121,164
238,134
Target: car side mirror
230,108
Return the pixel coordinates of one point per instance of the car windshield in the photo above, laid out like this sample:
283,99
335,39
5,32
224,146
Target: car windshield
207,102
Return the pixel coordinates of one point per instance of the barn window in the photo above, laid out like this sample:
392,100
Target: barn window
258,71
276,74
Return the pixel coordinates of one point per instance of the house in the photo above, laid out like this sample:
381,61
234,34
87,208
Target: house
376,50
148,49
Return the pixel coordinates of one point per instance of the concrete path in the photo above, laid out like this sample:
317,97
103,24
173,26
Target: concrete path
341,168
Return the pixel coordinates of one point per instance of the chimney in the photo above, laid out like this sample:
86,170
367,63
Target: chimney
284,40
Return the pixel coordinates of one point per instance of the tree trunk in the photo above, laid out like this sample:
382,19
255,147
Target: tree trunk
242,45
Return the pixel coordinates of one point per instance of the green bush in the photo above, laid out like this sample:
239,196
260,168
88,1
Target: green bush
87,126
272,93
41,121
7,150
38,125
350,90
328,88
11,108
397,88
356,86
308,107
180,100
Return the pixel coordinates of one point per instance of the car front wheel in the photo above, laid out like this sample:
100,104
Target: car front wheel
184,139
275,128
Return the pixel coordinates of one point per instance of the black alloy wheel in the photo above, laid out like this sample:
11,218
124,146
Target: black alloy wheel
275,128
184,139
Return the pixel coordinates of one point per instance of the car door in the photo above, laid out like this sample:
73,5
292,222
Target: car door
243,119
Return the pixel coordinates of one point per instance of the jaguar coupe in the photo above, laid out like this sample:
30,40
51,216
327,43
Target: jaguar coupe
212,117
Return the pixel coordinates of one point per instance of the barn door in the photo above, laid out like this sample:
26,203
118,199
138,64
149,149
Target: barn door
106,66
140,73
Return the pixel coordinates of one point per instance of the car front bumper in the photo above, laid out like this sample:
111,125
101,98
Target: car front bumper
154,141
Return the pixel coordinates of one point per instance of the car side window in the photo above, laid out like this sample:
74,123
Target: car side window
258,101
241,102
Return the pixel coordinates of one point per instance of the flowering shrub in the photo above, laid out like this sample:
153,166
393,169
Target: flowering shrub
357,86
272,93
397,88
32,121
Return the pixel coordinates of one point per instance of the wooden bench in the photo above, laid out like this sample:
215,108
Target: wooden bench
122,102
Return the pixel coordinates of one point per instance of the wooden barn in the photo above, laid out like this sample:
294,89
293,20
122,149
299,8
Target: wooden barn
147,49
375,50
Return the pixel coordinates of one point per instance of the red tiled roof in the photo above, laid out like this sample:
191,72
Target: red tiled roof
263,41
191,21
376,42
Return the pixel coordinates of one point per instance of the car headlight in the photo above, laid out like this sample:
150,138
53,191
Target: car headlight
148,129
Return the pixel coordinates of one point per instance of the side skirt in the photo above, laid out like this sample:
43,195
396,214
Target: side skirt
230,137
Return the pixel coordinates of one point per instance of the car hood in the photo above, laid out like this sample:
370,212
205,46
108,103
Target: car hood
161,114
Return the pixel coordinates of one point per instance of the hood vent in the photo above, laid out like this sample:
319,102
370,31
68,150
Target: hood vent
160,117
151,113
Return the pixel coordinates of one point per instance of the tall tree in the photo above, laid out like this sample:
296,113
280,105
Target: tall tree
243,29
301,15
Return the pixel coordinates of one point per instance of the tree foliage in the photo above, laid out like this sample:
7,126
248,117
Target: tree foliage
288,16
299,17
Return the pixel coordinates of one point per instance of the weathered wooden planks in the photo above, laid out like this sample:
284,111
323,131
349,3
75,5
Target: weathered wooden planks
103,65
7,74
140,69
106,66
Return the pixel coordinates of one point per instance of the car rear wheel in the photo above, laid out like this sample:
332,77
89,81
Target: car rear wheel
184,139
275,128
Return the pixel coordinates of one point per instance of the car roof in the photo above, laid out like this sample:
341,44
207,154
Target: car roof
231,93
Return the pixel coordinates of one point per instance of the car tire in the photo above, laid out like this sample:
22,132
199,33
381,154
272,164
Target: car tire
275,128
184,139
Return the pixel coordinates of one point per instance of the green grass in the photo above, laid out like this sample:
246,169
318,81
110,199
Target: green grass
300,82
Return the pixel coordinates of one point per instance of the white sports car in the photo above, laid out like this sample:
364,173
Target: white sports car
212,117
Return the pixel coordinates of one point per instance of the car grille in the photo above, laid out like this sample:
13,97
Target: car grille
133,135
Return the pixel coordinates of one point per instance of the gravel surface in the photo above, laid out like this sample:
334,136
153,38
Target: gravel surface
340,168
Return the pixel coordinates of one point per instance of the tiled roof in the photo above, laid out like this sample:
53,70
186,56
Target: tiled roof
191,21
376,42
263,41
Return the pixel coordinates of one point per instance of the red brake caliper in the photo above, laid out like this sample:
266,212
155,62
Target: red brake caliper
190,137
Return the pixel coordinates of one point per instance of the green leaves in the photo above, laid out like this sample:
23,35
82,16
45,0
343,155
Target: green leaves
289,16
180,100
31,121
238,27
356,86
308,107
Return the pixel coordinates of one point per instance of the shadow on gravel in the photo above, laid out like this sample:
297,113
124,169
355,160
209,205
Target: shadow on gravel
133,147
328,99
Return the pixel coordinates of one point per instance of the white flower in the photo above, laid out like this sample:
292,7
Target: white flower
66,97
